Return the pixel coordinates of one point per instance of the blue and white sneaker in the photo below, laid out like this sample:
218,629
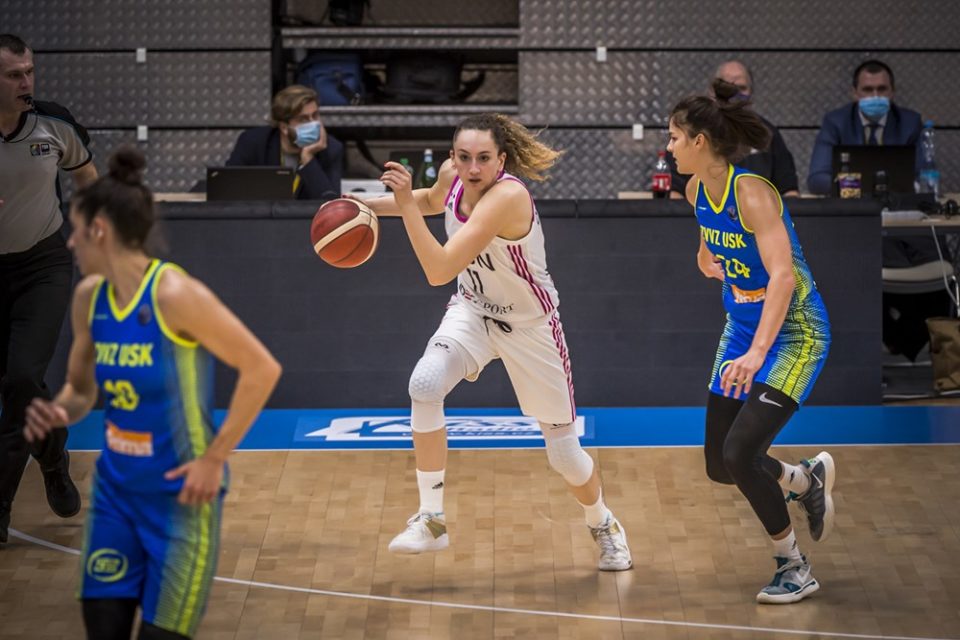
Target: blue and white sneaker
792,582
817,501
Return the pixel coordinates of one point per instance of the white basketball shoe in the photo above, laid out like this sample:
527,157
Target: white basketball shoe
612,540
424,532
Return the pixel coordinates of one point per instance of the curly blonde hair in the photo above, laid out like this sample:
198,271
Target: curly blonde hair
527,157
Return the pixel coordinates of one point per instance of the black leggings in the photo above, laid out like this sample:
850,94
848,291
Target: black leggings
738,435
112,619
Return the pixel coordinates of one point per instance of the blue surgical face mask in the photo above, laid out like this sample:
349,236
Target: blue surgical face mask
874,107
307,134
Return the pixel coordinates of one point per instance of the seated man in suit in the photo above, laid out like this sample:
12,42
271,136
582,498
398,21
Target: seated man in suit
872,118
775,164
296,139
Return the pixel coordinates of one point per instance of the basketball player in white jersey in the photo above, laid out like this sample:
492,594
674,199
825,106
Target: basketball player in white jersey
505,307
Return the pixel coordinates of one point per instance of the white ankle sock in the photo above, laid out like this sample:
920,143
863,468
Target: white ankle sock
787,547
794,478
596,513
431,490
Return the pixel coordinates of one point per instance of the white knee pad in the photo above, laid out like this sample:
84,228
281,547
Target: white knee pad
444,363
565,454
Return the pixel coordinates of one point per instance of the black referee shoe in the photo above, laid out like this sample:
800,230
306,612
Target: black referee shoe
62,494
4,521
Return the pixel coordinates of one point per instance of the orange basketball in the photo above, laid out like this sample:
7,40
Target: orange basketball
344,233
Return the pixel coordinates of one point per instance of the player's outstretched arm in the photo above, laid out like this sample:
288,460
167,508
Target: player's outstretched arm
193,312
79,392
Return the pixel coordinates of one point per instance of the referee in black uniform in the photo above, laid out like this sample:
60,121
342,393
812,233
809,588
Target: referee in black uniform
36,270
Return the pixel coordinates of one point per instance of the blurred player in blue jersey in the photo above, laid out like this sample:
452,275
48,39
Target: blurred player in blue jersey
144,332
777,333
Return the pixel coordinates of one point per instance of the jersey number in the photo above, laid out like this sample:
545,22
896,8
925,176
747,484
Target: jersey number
734,268
475,279
124,395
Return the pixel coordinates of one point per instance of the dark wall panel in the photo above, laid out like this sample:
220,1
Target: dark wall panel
641,322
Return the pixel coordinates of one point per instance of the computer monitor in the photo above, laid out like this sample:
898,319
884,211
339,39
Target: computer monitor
897,160
250,183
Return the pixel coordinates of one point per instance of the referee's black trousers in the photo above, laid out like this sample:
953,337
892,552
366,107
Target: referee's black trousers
34,295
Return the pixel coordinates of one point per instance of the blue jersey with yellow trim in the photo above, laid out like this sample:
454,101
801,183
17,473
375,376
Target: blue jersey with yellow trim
745,278
158,389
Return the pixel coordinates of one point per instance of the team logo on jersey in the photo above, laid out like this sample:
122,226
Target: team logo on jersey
129,443
144,314
107,565
40,149
732,212
744,296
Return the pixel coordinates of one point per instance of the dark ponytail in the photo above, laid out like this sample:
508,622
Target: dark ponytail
731,126
121,197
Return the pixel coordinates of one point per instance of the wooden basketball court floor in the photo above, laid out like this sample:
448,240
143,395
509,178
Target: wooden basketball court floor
304,551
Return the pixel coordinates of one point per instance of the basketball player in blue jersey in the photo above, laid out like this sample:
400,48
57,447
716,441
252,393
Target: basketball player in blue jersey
505,307
777,333
144,332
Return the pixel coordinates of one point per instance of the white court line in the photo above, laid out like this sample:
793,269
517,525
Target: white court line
528,612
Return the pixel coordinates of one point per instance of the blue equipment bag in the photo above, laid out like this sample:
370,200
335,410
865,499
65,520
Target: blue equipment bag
336,77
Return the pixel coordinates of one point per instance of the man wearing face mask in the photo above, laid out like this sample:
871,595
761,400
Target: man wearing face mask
296,139
872,118
775,163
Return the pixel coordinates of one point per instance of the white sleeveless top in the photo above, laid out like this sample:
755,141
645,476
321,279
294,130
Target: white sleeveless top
509,280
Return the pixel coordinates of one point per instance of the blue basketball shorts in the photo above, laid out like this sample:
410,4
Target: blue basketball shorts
149,547
795,359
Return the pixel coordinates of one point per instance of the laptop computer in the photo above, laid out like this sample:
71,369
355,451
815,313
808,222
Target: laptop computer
897,160
250,183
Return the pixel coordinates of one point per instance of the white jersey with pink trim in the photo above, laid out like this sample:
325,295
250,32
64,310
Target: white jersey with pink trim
509,280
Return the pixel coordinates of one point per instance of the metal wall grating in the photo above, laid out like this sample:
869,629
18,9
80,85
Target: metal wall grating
791,88
90,25
169,90
744,24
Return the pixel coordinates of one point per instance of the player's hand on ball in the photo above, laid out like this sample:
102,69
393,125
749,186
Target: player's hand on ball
400,181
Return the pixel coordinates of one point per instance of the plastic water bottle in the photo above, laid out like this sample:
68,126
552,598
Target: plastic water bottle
661,176
929,176
428,171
